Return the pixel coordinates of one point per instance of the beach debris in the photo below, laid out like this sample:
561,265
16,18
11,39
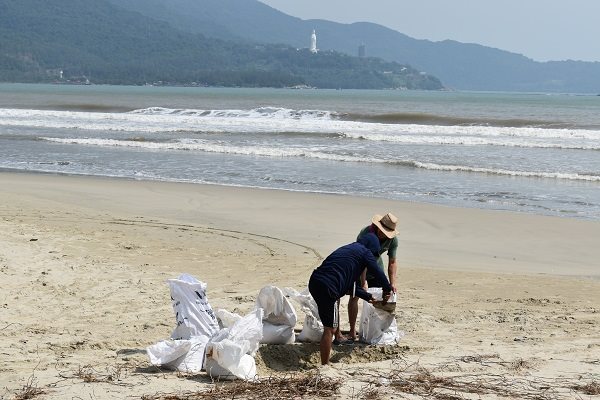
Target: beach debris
417,380
289,386
29,390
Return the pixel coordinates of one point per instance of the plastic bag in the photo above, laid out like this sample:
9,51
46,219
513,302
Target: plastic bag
245,369
166,352
193,313
229,353
312,330
378,326
276,307
193,360
279,318
278,334
196,323
226,319
186,355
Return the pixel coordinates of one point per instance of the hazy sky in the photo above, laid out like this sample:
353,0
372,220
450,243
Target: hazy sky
539,29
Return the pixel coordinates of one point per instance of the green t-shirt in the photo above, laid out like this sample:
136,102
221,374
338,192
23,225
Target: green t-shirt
389,245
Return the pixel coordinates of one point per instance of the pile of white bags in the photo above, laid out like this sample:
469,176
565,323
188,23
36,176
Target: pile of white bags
279,318
378,326
313,327
198,342
196,324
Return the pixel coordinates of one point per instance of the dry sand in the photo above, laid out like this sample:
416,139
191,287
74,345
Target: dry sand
493,298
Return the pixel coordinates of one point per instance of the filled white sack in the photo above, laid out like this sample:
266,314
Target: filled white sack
166,352
276,307
279,316
193,313
278,334
233,349
186,355
226,319
378,326
312,330
193,360
245,369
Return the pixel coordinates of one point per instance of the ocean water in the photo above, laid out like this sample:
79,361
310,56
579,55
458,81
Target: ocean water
532,153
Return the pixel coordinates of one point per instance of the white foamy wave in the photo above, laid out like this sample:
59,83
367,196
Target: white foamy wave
386,133
160,120
163,121
210,147
527,174
425,139
260,112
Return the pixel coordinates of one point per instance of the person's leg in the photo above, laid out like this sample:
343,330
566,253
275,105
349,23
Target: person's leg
328,312
338,332
352,316
325,345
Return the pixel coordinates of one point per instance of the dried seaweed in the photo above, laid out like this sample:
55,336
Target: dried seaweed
416,380
112,375
29,390
272,388
591,388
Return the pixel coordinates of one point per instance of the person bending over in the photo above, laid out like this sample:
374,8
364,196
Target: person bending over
337,276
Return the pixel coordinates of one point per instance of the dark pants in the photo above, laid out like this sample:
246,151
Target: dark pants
328,307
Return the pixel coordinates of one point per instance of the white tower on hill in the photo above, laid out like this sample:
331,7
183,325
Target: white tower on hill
313,42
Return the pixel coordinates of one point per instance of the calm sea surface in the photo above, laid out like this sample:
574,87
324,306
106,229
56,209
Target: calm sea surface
532,153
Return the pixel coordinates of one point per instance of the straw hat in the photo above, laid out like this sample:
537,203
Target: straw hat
386,223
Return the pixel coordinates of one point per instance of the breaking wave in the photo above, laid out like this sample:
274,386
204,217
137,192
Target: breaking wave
210,147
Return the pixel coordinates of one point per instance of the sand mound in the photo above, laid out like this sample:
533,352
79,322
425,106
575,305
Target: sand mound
301,356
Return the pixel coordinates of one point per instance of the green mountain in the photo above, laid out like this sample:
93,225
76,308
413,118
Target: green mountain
458,65
103,42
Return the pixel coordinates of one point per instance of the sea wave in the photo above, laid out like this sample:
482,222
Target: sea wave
164,122
206,146
445,120
527,174
456,139
260,112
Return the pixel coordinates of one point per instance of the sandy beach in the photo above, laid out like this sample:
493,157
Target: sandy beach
489,298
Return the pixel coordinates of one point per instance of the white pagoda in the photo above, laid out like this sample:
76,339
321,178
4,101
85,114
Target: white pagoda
313,42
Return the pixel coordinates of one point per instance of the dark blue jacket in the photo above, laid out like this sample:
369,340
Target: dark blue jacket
342,268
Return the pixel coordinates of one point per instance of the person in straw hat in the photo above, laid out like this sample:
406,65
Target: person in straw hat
384,227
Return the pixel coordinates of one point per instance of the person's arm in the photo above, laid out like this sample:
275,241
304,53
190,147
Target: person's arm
363,279
374,269
363,294
392,266
392,273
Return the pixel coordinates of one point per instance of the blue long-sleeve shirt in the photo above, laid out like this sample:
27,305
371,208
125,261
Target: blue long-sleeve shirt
342,268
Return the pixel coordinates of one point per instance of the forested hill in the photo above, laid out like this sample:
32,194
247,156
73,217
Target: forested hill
102,42
459,65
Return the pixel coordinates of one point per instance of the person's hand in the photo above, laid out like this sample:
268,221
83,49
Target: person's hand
386,296
393,287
